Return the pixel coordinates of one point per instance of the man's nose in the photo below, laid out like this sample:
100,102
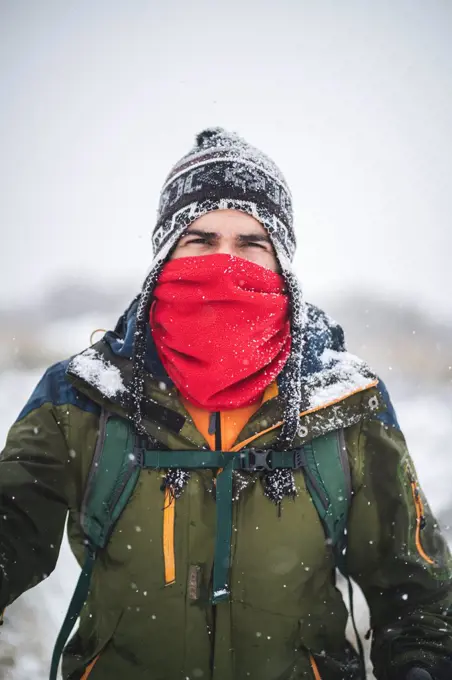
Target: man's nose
227,248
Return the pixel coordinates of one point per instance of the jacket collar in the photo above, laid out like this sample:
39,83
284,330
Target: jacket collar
330,374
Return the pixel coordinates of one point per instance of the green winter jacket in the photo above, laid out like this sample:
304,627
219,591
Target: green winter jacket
286,618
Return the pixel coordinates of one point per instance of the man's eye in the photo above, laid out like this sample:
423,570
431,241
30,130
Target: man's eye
255,245
197,240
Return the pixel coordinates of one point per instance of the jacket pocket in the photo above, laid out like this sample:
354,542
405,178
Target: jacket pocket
335,667
90,665
315,670
86,648
420,516
89,668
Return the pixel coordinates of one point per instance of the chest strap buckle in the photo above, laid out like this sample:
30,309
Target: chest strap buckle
256,460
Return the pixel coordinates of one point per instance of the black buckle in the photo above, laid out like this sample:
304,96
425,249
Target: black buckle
258,460
140,446
299,459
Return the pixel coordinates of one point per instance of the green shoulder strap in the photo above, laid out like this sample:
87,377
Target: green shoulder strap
328,479
111,480
327,474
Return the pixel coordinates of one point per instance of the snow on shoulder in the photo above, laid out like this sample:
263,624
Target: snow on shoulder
90,366
342,374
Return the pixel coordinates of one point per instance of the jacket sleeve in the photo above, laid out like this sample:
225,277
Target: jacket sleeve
397,554
33,493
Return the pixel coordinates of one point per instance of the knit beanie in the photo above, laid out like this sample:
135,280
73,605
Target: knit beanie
222,171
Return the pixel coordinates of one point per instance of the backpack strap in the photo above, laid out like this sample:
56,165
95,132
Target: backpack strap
328,480
111,480
73,612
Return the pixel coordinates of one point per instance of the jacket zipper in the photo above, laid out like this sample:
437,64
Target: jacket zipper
420,517
215,423
420,522
169,512
89,668
314,667
217,431
215,428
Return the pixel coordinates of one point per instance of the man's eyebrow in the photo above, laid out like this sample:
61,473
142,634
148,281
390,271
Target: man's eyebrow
254,237
201,233
262,238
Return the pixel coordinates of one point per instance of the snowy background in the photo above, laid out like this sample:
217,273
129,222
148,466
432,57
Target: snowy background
353,100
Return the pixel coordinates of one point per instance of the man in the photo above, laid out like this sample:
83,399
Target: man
220,453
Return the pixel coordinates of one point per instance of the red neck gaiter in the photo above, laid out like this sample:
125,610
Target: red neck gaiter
221,328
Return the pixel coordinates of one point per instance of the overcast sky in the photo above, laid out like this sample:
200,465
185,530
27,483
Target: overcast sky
352,99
